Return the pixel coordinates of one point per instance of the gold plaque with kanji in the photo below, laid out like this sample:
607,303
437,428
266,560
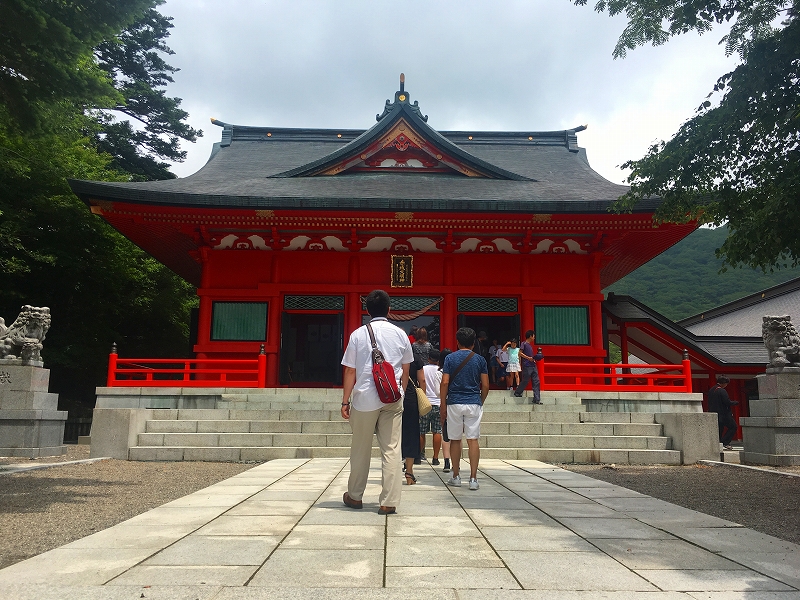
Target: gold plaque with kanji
402,271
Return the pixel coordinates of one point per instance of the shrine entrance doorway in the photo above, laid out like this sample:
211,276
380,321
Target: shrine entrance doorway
311,349
501,328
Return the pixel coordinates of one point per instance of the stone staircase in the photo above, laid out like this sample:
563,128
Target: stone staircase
307,424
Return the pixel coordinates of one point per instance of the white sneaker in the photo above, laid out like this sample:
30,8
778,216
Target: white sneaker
455,481
473,484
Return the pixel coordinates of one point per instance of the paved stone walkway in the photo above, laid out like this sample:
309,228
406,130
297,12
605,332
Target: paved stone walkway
532,531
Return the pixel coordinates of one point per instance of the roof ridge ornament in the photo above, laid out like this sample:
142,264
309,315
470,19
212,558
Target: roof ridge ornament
401,97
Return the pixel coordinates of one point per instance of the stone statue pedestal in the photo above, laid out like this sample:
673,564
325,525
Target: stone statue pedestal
771,434
30,423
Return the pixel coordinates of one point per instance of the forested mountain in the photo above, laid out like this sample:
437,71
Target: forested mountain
685,280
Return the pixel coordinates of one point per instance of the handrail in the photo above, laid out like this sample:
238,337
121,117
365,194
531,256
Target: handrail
192,372
615,377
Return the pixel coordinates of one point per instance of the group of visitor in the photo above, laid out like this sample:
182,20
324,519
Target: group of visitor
514,367
456,384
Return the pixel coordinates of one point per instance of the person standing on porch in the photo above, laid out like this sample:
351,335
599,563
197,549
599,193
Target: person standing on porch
513,367
465,385
529,370
365,411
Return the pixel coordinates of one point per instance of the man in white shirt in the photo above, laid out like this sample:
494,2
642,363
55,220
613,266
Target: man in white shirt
365,411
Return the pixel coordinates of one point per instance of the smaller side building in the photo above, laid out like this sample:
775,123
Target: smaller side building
724,340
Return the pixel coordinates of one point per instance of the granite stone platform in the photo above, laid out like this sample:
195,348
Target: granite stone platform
532,531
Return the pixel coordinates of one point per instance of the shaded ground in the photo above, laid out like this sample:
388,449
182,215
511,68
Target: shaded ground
44,509
766,502
74,452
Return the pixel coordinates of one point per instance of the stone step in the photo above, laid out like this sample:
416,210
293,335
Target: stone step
492,403
553,456
335,394
342,440
343,427
530,413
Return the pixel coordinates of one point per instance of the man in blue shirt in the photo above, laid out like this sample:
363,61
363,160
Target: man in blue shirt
465,385
529,370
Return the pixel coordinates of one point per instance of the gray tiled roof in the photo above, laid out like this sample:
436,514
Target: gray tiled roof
242,169
740,349
744,316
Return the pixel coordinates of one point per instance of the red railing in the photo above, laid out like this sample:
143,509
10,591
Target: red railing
186,372
219,372
616,377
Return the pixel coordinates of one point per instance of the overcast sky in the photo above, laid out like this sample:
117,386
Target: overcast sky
484,65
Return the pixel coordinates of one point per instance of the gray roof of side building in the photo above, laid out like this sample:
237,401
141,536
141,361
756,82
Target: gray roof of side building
740,349
743,317
252,167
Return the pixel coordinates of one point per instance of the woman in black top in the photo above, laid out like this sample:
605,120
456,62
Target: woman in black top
409,444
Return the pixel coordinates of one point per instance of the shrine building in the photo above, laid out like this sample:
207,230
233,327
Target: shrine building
285,230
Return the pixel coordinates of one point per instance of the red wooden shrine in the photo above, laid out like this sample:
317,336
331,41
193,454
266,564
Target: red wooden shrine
284,231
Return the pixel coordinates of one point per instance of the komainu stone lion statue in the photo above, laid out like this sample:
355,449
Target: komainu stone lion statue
782,342
25,336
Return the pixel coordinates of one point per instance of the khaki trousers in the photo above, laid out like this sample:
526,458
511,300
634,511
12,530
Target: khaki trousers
386,423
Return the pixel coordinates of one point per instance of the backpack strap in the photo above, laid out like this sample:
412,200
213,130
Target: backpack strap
377,355
461,366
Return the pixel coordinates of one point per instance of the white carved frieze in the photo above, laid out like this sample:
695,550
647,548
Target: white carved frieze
423,244
568,246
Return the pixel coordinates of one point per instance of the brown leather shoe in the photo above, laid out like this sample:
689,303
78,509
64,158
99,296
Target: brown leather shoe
387,510
350,502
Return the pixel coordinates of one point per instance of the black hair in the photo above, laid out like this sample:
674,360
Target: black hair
466,337
722,379
444,353
529,333
377,303
433,354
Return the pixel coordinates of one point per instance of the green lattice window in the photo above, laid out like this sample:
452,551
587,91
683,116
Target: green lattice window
487,305
313,302
565,325
239,321
408,303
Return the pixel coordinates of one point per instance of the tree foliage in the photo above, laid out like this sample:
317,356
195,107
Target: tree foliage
737,160
45,52
62,81
133,62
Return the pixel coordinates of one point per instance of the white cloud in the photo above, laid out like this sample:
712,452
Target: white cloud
500,65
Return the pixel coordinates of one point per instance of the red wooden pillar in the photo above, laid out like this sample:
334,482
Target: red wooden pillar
273,340
274,324
526,317
448,320
448,317
204,310
112,366
596,306
526,305
352,306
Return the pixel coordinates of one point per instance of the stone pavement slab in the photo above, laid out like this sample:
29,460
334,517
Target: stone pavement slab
662,554
532,531
228,550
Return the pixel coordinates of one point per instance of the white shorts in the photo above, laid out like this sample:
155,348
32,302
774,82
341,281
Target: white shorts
464,420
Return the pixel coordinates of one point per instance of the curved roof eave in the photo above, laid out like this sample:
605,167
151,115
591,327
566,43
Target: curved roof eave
98,190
